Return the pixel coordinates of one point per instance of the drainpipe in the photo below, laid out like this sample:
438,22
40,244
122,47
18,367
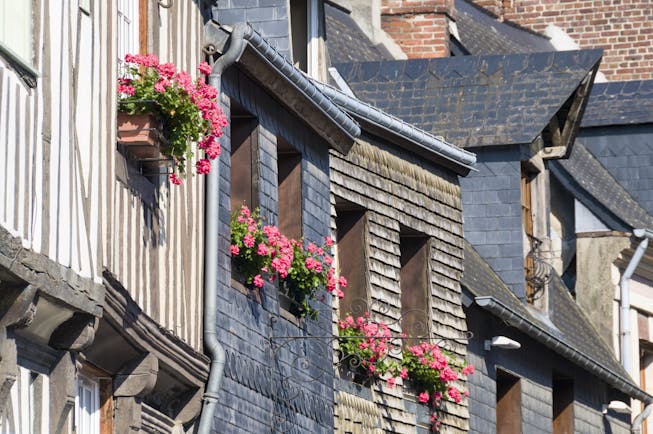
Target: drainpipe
625,295
636,426
211,243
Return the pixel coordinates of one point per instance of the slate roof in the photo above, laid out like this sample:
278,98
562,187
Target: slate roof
345,40
569,327
474,100
619,103
481,33
597,189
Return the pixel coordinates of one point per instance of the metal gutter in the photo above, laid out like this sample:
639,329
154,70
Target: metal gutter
496,307
423,140
211,251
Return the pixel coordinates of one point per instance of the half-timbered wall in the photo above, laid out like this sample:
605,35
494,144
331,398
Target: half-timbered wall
154,230
400,191
51,139
65,190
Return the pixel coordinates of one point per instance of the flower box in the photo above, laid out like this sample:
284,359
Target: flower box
140,135
190,110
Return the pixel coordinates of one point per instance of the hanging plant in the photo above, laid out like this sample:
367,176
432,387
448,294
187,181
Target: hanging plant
261,253
367,344
188,109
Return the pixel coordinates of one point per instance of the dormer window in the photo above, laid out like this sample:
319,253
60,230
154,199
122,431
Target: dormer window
537,271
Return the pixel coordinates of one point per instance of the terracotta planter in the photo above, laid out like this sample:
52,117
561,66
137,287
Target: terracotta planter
141,136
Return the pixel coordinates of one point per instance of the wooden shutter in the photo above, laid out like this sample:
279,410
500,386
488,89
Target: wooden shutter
289,163
351,228
414,286
244,170
563,406
508,403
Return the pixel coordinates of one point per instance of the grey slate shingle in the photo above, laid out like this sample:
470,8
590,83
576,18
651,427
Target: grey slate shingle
620,103
345,40
567,320
481,33
474,100
585,174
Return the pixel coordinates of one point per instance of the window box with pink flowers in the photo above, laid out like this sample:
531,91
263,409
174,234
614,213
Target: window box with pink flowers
260,253
165,115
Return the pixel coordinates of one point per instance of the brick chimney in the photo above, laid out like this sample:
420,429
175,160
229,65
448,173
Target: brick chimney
420,27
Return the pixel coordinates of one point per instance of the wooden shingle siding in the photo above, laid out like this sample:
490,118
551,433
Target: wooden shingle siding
398,190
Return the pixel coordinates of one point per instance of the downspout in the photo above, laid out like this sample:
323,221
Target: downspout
211,244
625,295
636,426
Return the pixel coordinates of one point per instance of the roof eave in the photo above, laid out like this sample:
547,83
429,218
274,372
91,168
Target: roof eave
497,308
291,87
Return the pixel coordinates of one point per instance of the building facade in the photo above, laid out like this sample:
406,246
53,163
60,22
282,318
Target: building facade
94,337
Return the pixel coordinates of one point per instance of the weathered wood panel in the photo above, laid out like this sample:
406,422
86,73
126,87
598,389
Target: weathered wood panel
49,197
59,187
155,248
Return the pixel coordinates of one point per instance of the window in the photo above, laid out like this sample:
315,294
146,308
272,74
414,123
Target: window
304,21
414,283
645,364
563,405
132,28
87,406
94,401
289,163
527,225
27,411
508,403
17,31
244,165
351,228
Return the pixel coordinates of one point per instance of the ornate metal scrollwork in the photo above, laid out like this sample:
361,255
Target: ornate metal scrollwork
294,355
538,271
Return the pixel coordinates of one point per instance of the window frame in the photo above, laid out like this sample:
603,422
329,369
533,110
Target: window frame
16,59
309,62
22,401
510,402
358,280
419,244
95,401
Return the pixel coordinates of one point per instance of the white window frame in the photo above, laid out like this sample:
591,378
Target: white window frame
87,422
23,403
313,39
127,29
24,55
